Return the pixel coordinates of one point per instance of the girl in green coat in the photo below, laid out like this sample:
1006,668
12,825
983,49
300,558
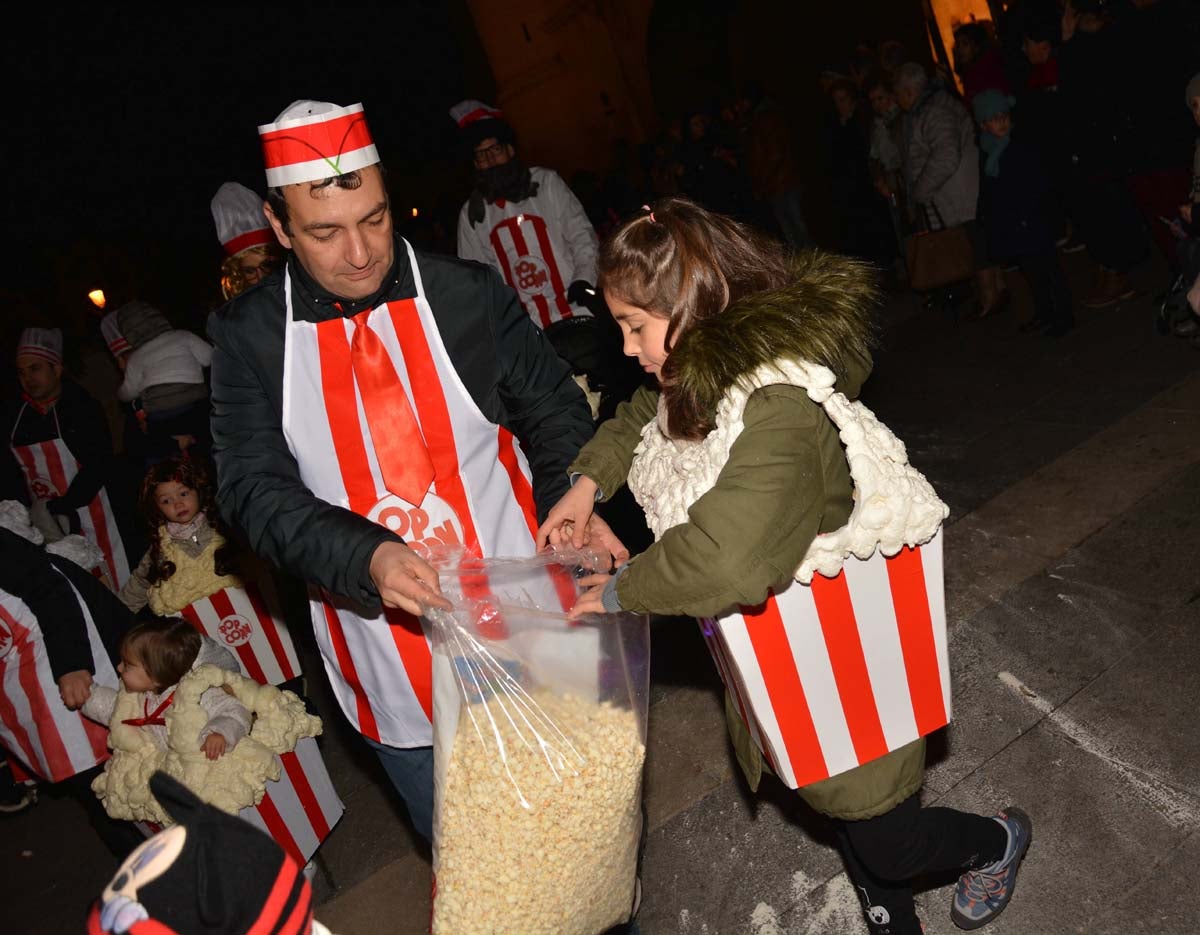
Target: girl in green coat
732,329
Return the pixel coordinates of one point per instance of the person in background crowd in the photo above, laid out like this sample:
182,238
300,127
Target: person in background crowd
886,156
1016,207
1041,108
251,251
58,437
1097,106
528,225
941,169
165,369
978,61
327,458
865,228
772,165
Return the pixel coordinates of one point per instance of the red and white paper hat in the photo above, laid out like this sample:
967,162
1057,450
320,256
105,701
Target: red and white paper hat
465,113
238,215
110,327
314,140
46,343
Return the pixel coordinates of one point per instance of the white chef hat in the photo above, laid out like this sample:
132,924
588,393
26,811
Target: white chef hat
46,343
238,214
313,140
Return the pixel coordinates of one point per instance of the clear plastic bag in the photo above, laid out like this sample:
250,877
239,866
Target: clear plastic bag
539,741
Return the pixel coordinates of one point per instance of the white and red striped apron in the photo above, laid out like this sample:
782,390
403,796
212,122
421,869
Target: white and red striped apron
298,809
49,467
36,727
525,250
249,623
381,668
833,674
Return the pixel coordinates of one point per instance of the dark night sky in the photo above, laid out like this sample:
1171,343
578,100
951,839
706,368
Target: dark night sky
124,121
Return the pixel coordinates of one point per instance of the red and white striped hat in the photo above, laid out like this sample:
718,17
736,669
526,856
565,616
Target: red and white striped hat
238,214
46,343
467,112
110,327
314,140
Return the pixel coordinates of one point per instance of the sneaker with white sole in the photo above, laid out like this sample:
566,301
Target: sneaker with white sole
982,894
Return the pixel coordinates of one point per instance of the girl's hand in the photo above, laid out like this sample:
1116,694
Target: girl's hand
591,601
600,537
213,746
567,522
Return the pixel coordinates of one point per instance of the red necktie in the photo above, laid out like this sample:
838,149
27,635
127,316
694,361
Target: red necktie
399,445
154,717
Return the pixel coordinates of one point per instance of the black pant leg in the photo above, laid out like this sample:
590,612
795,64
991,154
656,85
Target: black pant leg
910,841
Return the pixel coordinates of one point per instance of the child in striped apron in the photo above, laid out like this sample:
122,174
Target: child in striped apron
834,672
193,570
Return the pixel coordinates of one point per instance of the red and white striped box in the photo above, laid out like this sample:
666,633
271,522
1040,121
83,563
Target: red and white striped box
836,673
298,810
49,740
249,622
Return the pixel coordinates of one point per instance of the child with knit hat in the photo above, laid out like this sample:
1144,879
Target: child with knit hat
209,873
1017,209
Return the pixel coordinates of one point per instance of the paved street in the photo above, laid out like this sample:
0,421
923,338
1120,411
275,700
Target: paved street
1072,469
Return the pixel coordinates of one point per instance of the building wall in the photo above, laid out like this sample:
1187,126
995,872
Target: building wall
571,76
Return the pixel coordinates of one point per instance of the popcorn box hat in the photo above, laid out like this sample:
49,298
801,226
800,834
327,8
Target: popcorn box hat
238,214
46,343
314,140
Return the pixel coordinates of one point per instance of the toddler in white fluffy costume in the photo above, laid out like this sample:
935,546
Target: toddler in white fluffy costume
155,655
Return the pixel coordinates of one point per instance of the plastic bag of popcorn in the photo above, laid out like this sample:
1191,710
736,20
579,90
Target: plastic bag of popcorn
539,741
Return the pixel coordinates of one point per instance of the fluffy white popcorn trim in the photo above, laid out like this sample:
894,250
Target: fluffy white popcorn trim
78,550
15,518
235,781
894,505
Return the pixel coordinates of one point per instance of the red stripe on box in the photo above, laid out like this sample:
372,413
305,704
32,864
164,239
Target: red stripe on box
906,576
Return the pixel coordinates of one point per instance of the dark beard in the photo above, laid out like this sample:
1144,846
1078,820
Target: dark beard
509,182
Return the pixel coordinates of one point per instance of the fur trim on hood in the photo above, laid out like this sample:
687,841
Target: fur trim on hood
823,316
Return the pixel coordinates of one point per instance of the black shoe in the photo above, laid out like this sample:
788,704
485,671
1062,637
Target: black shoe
1035,323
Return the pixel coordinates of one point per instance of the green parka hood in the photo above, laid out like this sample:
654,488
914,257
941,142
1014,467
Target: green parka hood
824,315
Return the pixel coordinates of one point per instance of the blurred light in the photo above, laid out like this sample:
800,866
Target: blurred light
97,297
520,219
416,212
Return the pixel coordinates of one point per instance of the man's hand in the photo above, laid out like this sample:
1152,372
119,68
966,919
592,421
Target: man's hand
75,688
213,746
567,522
405,580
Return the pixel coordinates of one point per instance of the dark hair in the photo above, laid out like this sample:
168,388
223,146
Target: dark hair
684,263
193,473
844,84
166,647
976,33
348,181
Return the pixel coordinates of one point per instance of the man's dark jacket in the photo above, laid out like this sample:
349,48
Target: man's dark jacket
510,370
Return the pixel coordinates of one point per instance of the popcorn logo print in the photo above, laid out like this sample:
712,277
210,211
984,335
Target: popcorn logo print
531,275
432,525
235,630
6,641
43,488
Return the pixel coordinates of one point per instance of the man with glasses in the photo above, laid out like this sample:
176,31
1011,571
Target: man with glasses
528,225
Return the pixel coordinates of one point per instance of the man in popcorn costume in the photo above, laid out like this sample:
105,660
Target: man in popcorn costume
528,225
207,874
367,404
